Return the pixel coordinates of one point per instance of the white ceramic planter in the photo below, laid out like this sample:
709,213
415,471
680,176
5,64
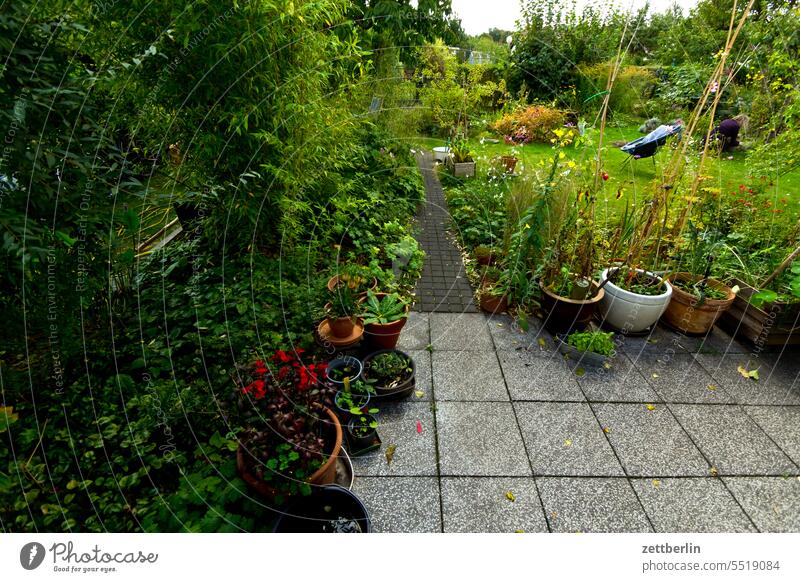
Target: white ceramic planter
630,312
440,153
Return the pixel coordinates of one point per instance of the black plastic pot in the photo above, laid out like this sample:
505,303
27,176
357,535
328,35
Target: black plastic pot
340,363
344,414
397,392
358,443
329,509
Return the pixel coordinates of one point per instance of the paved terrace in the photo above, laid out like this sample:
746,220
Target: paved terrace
671,438
503,435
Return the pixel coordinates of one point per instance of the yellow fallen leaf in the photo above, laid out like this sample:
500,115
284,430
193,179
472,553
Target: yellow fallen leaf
655,375
712,387
656,483
651,407
390,453
519,531
606,429
567,443
713,471
542,342
580,372
419,393
510,496
748,373
554,515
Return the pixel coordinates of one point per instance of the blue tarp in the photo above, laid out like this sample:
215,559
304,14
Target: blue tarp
646,146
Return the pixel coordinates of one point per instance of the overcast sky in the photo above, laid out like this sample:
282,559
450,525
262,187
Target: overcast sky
480,15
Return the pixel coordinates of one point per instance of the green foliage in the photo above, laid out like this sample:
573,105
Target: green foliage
389,308
598,342
389,369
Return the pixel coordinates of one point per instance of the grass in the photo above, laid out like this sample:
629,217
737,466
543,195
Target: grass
632,176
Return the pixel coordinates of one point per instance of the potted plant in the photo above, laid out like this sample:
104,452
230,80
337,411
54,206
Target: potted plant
384,316
698,300
289,438
493,296
392,372
461,160
634,299
352,399
341,320
767,314
356,277
484,255
509,162
327,509
591,347
362,432
341,369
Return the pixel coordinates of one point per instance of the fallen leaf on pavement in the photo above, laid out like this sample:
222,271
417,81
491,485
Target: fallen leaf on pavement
651,407
567,443
748,373
390,453
510,496
419,427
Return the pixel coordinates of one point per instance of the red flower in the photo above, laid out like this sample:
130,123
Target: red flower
742,187
605,175
283,356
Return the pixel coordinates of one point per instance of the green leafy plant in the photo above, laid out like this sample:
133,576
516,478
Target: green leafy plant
599,342
365,423
636,281
388,309
460,152
343,302
787,288
389,369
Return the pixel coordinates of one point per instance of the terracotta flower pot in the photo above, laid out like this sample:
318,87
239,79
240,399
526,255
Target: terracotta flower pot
326,474
564,315
342,326
385,335
509,162
484,255
684,314
493,304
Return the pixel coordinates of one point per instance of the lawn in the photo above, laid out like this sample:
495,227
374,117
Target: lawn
633,176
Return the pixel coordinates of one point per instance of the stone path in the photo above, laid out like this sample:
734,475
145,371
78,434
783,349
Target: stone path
443,287
671,438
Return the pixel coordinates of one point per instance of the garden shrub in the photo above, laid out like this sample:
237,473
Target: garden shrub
530,124
633,87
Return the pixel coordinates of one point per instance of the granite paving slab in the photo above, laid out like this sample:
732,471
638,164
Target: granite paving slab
576,504
414,453
480,438
464,332
468,376
734,444
782,425
681,378
621,381
508,335
401,504
650,442
416,333
532,375
777,382
565,439
423,380
491,504
773,503
691,505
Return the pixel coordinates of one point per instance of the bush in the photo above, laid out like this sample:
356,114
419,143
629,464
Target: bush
633,87
532,124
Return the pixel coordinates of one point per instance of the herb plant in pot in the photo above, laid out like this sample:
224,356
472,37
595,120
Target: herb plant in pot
392,372
346,368
634,299
698,300
341,322
384,315
289,439
493,296
362,432
352,399
588,347
461,160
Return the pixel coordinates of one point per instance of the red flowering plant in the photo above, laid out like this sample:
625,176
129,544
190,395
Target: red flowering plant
280,406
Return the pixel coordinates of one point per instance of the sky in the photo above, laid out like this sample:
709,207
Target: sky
479,16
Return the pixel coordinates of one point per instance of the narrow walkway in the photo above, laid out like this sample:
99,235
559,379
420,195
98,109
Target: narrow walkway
443,287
